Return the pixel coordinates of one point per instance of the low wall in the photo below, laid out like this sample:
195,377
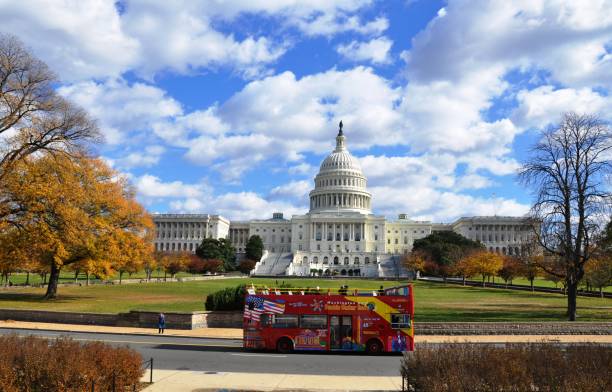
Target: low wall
192,320
520,328
135,318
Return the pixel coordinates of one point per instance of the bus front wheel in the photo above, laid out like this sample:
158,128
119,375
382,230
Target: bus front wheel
373,347
284,345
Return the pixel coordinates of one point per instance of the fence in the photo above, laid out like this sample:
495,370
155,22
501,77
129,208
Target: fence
134,387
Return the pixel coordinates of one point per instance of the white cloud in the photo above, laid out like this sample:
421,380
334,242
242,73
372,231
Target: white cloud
567,38
543,105
120,107
423,203
294,190
151,186
147,158
78,39
375,51
99,39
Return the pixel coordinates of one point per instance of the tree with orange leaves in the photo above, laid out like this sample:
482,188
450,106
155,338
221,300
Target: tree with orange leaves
482,263
75,210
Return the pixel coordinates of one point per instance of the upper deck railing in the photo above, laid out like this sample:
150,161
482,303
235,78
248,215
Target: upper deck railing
343,290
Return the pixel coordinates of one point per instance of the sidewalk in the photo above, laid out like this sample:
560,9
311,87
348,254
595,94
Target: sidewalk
193,381
234,333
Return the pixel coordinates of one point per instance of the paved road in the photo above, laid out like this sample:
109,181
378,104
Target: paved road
227,355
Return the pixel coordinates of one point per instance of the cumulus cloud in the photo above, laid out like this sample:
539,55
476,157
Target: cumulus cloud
122,108
375,51
79,40
543,105
99,39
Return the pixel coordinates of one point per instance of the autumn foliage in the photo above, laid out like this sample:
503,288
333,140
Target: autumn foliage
520,367
32,364
73,211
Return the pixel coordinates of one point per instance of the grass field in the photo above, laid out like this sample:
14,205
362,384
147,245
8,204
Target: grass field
68,277
434,301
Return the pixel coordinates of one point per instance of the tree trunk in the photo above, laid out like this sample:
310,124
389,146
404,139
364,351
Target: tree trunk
27,283
572,289
86,278
531,281
483,281
76,276
53,280
601,291
464,280
120,276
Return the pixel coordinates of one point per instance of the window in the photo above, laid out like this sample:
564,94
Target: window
284,320
399,320
314,321
389,241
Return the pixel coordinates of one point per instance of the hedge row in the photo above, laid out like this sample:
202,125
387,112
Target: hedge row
34,364
231,298
517,367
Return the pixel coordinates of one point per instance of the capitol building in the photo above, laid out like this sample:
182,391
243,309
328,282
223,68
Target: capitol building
339,235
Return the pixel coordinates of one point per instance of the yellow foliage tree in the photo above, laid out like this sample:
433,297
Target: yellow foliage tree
482,263
76,210
414,261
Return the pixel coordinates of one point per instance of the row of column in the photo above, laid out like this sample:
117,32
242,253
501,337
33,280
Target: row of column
352,231
183,234
340,200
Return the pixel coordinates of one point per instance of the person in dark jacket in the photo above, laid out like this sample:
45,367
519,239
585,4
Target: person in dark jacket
161,323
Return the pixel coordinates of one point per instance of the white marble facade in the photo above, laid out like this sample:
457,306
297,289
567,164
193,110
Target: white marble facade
339,235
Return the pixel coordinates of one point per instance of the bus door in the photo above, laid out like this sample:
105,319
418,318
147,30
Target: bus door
341,332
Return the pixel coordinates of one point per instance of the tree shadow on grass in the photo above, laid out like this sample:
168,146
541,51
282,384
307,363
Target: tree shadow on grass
489,316
37,298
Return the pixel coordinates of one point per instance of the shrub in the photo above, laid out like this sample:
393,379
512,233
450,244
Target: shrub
231,298
196,265
33,364
246,266
514,367
213,265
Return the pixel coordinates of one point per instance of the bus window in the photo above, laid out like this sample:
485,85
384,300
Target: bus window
285,321
400,321
314,321
267,320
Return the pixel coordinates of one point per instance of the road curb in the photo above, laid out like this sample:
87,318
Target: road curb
117,333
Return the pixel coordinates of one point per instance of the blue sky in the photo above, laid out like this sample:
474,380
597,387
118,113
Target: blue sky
228,107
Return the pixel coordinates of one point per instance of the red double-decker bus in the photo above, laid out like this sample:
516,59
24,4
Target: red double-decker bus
373,321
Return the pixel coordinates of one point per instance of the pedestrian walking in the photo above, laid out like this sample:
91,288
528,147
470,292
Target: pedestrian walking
161,323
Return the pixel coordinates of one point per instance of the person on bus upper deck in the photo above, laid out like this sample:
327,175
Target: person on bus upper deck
381,290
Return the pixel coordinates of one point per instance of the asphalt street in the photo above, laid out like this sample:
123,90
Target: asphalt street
227,355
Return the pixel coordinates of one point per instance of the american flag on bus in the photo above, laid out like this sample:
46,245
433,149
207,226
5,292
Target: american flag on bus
273,307
255,302
252,314
253,308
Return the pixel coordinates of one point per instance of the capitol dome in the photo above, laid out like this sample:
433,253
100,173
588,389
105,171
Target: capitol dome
340,184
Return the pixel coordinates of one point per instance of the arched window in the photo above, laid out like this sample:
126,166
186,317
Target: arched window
343,272
336,262
305,260
350,272
325,260
367,260
346,261
315,260
356,260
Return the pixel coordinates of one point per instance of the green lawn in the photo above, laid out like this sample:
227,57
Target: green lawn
434,301
68,277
